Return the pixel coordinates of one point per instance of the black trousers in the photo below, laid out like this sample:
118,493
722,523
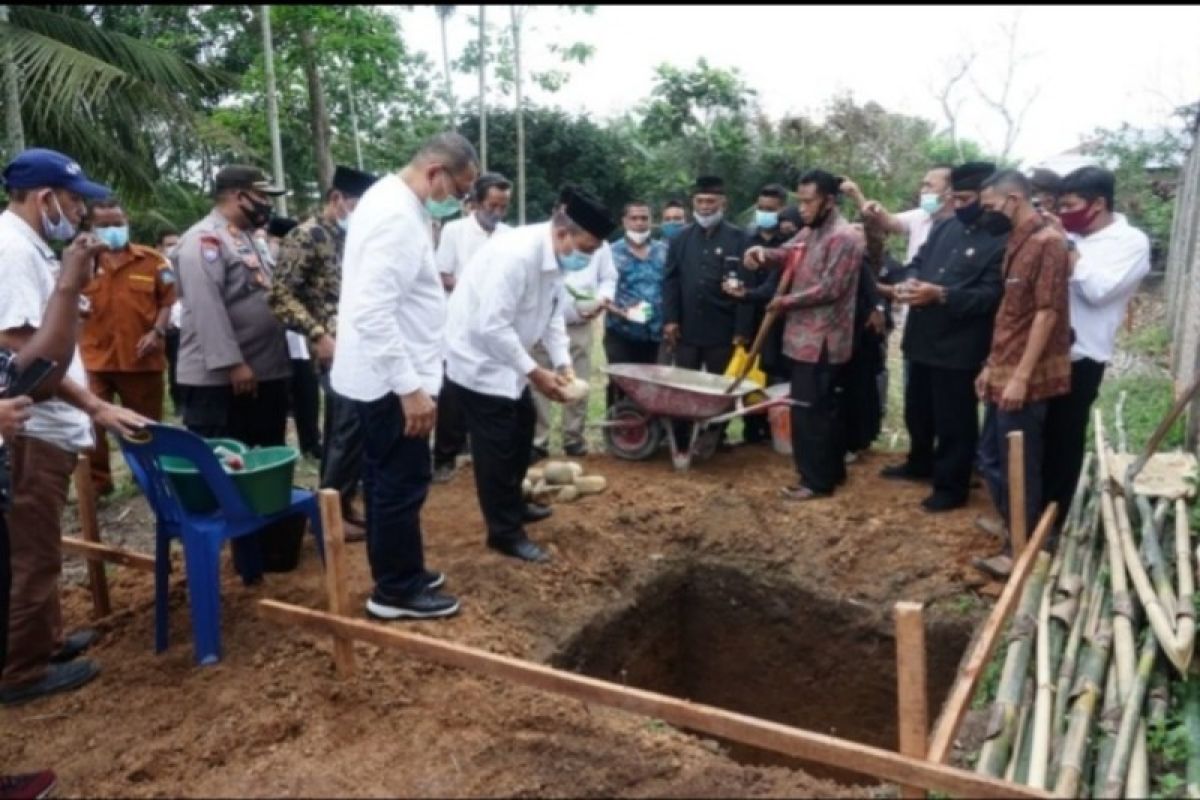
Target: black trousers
5,555
305,403
258,420
1067,420
861,408
173,359
941,412
501,438
342,456
712,359
818,432
620,349
450,436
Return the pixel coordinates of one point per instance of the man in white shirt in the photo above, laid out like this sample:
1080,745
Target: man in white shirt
388,360
460,241
46,192
914,224
1110,258
586,293
509,299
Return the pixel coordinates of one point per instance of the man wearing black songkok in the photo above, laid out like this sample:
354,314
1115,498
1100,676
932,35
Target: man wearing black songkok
954,287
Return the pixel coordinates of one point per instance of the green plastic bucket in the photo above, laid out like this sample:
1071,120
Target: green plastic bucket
189,486
266,481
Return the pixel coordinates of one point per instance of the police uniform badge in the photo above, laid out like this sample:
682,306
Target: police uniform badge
210,249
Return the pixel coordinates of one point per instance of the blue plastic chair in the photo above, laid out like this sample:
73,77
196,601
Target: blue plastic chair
203,535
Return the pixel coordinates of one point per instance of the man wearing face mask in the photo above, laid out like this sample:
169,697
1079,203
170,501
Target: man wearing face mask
123,338
589,287
389,361
674,217
304,296
1029,362
233,366
46,193
459,243
511,297
1109,258
953,289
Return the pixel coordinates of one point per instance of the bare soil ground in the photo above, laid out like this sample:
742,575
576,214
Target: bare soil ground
272,720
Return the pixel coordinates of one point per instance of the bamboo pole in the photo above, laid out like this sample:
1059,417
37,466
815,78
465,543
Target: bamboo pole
1152,552
1123,644
822,748
1191,720
1018,764
1185,612
1039,758
1017,523
1070,659
911,683
335,576
1110,720
993,757
89,529
105,553
1131,721
1084,699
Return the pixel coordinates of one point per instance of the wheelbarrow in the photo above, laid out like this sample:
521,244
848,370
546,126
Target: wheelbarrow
657,396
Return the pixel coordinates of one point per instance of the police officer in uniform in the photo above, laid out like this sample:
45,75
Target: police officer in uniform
233,360
304,296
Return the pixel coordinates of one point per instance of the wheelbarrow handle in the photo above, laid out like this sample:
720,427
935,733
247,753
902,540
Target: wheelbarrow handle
785,283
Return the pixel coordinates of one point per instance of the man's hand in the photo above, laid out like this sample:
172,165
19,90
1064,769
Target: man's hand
1015,392
851,190
981,384
1053,220
243,380
921,293
548,383
120,421
753,257
738,292
324,348
671,333
420,414
14,414
149,344
873,208
565,375
876,322
79,260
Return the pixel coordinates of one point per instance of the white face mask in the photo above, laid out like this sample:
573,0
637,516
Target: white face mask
637,237
708,220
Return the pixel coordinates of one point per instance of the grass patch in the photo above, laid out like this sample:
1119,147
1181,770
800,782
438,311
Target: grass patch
1153,341
1148,400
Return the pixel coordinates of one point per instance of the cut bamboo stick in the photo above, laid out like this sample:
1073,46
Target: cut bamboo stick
1084,700
1131,721
1123,643
1018,764
993,757
1185,612
1070,659
1017,524
911,683
1191,720
1152,553
1039,757
335,576
1110,720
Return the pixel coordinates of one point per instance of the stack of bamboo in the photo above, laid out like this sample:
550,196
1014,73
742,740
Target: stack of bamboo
1103,628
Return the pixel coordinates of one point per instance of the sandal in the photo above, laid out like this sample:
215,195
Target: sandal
800,493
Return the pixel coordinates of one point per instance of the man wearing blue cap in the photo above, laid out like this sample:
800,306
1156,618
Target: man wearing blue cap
46,194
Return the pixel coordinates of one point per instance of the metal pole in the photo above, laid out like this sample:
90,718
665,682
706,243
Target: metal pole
354,121
482,91
14,130
516,34
272,106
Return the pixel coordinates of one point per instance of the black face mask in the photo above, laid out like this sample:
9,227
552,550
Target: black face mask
820,218
258,214
995,223
969,215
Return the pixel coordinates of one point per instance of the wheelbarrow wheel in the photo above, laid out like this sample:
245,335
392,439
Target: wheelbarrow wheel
707,442
637,438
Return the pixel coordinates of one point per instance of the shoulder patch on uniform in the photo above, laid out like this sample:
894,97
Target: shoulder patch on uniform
210,248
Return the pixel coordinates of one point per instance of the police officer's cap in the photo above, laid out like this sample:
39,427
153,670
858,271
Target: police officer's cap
587,212
352,182
244,176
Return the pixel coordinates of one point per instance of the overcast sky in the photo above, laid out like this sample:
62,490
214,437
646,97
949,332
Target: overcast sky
1090,65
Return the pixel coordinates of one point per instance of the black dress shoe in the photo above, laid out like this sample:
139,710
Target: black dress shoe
939,502
903,472
537,454
524,549
75,645
535,512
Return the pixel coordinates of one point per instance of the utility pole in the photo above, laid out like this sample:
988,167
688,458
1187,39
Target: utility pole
354,121
272,106
14,130
482,91
516,36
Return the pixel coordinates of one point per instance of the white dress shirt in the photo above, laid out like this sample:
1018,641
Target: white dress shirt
1112,262
598,278
392,310
30,273
509,298
460,242
918,224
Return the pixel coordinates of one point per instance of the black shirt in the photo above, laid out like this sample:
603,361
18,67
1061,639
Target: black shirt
966,260
692,296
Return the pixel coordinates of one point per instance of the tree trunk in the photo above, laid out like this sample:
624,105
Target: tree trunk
14,131
516,36
318,113
272,106
482,91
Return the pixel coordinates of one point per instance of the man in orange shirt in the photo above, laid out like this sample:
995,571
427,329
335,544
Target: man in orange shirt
124,334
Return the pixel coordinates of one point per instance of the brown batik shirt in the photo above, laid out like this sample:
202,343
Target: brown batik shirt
1035,279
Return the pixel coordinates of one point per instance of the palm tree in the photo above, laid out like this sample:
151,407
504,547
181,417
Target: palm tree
104,97
444,13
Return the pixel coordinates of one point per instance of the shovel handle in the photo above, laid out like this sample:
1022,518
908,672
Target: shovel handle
785,282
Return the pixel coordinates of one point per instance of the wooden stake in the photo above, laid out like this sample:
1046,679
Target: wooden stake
89,527
981,651
103,552
809,745
335,576
1016,492
911,683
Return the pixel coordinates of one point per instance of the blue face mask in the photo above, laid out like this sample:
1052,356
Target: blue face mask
115,237
766,220
671,229
60,231
574,261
